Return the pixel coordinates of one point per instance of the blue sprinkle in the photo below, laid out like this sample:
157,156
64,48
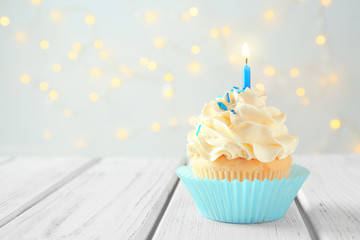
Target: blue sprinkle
222,106
235,87
233,111
231,90
218,96
197,133
228,97
240,91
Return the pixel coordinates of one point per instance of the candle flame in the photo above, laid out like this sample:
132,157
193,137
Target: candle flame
246,53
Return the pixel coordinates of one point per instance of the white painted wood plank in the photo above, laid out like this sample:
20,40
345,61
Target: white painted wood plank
182,220
331,195
26,180
116,199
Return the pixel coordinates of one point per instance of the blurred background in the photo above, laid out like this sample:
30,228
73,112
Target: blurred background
129,77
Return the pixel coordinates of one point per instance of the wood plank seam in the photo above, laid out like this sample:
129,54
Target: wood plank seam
164,208
306,220
56,186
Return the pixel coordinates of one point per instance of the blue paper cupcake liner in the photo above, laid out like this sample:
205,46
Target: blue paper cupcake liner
246,201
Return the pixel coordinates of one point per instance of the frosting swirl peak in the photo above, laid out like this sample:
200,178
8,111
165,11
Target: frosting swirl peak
241,125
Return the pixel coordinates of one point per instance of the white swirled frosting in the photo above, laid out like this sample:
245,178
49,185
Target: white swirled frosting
251,131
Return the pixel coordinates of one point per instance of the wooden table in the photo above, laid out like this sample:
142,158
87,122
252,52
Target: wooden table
129,198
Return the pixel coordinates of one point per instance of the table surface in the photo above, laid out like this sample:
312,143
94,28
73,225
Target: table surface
141,198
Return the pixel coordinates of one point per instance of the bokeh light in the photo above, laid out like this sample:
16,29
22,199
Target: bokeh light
98,44
304,101
168,92
193,11
174,122
320,40
214,33
335,124
67,113
72,55
56,67
44,86
269,71
90,19
225,31
195,49
185,16
144,61
192,120
300,92
294,72
155,127
94,97
325,2
152,66
44,44
357,148
260,86
4,21
47,134
56,16
269,14
25,78
95,72
150,17
169,77
115,82
36,2
159,42
334,78
194,67
122,133
20,36
77,47
53,95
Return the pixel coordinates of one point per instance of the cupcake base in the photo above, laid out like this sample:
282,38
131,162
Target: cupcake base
246,201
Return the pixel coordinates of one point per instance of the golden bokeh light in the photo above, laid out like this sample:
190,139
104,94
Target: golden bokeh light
116,82
335,124
77,47
144,61
305,101
269,71
185,16
159,42
95,72
98,44
80,143
150,17
155,127
174,122
72,55
192,120
225,31
104,54
53,95
194,67
90,19
357,148
169,77
36,2
25,79
233,58
44,44
195,49
56,67
168,92
214,33
94,97
334,78
122,133
320,40
294,72
260,86
4,21
300,92
67,113
193,11
325,2
44,86
47,134
323,81
152,66
269,14
20,36
56,16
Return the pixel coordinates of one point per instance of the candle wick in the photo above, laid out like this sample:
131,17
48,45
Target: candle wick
246,60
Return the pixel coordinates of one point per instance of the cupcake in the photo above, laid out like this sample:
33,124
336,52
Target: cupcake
239,137
241,168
